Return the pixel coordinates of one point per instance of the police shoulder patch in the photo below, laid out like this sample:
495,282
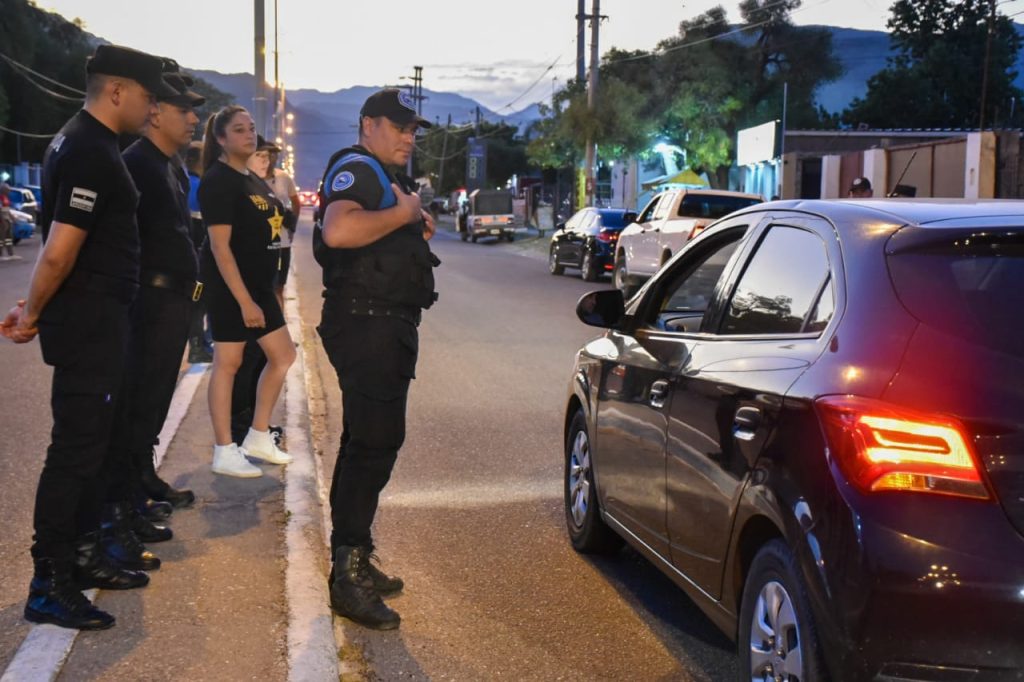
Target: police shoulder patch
342,181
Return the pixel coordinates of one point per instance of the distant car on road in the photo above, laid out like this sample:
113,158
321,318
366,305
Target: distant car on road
587,241
667,223
23,200
24,225
490,215
810,420
307,198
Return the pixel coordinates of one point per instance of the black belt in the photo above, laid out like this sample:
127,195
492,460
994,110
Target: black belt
121,289
161,280
373,308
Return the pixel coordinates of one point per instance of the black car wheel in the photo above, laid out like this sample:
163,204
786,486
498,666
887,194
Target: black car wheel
473,239
621,279
778,638
587,530
464,234
553,267
510,236
587,269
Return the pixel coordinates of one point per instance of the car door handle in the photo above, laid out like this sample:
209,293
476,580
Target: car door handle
746,422
659,392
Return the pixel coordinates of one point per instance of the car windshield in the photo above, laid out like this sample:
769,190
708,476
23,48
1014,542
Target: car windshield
712,206
969,286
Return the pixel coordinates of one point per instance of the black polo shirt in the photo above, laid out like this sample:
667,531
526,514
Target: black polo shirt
163,214
256,217
86,184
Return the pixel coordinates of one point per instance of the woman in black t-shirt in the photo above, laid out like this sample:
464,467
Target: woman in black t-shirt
239,264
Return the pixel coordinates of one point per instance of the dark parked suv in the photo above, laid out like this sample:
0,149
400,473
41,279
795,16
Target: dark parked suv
812,420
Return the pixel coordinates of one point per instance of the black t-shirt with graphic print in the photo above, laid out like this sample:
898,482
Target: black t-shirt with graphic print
86,184
256,217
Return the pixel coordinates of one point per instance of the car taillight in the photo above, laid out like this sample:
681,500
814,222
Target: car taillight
697,229
607,236
882,447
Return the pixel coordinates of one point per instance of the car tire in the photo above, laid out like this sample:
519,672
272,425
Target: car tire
553,267
464,235
588,271
511,237
473,239
622,280
587,530
16,240
776,607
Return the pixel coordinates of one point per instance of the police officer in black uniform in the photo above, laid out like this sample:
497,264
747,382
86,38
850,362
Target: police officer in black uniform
78,303
378,274
160,320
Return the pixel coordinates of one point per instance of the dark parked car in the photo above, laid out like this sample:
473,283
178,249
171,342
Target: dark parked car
812,420
587,241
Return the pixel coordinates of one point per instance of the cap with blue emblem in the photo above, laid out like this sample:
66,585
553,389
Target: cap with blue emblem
396,105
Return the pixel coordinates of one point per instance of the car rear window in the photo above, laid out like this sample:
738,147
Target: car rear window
712,206
613,218
968,285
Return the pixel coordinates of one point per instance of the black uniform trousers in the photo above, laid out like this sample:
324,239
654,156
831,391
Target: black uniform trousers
160,320
83,336
375,359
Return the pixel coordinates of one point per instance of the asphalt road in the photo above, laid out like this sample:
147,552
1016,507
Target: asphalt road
472,518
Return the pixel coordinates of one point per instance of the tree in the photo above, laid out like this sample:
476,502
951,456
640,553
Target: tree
935,80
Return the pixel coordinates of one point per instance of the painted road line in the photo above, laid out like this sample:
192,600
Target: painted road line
312,647
44,650
183,394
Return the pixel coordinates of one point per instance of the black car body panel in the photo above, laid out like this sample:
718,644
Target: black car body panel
901,584
591,230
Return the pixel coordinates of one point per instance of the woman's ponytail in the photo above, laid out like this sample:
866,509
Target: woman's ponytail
216,126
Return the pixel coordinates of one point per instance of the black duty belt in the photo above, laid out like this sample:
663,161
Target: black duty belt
161,280
122,289
373,308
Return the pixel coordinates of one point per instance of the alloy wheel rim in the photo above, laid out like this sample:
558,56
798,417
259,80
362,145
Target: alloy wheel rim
552,260
775,640
579,478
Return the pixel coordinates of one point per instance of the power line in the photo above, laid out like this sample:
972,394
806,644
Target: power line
23,67
533,84
22,134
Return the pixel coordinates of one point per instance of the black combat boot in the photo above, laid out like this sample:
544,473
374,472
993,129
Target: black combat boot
386,585
121,544
93,568
148,532
54,598
160,490
352,592
153,510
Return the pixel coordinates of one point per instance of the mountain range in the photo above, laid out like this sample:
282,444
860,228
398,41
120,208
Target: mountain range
326,121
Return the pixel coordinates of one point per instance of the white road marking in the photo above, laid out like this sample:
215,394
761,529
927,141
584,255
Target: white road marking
473,496
46,647
312,647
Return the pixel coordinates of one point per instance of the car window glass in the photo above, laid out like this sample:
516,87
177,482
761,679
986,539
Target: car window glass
687,297
780,284
712,206
571,223
822,312
586,223
649,211
663,207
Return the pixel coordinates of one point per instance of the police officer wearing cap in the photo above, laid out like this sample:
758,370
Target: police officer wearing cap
378,275
160,320
78,303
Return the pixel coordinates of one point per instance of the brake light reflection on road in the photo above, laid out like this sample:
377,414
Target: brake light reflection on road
882,447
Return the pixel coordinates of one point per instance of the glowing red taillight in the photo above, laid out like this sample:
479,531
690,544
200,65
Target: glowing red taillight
607,236
880,447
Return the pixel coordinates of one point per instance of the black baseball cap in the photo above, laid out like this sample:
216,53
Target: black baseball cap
183,97
396,105
860,185
145,69
263,146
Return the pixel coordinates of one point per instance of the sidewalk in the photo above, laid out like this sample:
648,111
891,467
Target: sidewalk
241,594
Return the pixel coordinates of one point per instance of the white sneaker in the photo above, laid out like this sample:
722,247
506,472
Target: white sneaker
260,445
229,460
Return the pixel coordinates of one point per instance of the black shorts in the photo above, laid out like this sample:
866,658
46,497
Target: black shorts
225,315
283,265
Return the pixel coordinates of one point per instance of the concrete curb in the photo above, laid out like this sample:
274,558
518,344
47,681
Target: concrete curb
312,647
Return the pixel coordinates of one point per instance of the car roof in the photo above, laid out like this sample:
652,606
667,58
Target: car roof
936,212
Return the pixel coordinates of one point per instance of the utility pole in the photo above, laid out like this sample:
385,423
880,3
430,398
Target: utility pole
260,96
444,153
581,40
591,152
276,116
988,56
417,96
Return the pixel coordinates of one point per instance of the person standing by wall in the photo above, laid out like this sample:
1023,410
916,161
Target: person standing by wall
239,266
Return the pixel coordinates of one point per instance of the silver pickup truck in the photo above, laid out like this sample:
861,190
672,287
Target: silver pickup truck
490,215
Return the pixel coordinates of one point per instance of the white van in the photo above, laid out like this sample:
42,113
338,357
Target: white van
671,219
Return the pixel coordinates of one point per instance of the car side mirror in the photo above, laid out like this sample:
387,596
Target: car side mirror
605,309
560,226
629,217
